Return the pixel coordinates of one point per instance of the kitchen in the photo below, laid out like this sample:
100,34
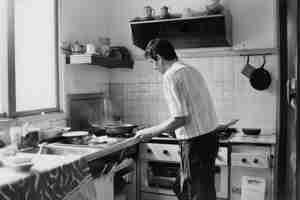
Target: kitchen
137,91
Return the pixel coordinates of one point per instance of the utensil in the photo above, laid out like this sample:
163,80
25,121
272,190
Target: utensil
251,131
187,12
149,12
248,68
164,12
260,78
41,148
119,129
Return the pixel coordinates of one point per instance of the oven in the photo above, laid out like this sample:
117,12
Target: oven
159,165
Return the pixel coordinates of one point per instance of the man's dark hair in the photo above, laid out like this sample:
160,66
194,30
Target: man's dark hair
160,47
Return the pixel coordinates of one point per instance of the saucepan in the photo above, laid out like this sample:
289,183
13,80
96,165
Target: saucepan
260,78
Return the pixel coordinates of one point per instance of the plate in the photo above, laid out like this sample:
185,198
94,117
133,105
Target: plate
75,134
19,163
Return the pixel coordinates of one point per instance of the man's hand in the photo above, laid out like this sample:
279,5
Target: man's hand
224,127
143,135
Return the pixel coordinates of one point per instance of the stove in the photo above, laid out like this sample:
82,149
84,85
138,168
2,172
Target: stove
159,165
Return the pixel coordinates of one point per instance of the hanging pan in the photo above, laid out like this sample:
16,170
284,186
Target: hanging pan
260,78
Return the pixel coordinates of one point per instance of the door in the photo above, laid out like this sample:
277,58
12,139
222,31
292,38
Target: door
287,180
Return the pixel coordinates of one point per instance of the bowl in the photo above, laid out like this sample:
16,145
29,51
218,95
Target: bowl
19,163
251,131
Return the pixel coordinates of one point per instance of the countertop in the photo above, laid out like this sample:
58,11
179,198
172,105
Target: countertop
265,138
55,164
240,138
45,163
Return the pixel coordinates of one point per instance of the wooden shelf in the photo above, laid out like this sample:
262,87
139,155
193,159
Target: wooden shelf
174,19
100,61
184,33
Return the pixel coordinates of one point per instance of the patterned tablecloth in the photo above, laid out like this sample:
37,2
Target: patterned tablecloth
46,180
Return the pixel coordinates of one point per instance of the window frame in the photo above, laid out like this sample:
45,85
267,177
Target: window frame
11,65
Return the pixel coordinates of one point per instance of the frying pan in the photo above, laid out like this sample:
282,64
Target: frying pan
260,79
113,128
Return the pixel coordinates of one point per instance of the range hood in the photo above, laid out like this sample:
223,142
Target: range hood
191,32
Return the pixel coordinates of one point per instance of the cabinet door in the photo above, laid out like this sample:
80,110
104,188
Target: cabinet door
104,187
85,192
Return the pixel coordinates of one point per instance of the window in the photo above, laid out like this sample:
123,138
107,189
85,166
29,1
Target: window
3,57
33,57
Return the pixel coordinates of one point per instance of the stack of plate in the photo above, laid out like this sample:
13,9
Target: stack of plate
18,162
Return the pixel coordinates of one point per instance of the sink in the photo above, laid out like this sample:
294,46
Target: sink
59,149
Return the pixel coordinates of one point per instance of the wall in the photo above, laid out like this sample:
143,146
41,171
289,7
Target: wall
254,24
140,91
84,21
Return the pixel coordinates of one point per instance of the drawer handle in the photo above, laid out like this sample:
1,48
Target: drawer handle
166,152
244,160
149,151
255,160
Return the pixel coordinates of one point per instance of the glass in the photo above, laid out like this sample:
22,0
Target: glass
15,134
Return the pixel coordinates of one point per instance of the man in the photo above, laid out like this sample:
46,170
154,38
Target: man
192,117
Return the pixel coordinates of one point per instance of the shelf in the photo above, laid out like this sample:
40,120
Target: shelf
175,19
100,61
191,32
217,52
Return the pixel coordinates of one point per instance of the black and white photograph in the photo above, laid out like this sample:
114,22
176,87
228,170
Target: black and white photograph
149,100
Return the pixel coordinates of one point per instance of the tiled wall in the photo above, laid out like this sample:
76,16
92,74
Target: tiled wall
139,93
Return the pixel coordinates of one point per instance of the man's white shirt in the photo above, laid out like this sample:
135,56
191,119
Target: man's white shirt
187,94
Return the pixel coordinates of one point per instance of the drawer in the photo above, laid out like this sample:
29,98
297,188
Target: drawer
153,196
257,160
161,152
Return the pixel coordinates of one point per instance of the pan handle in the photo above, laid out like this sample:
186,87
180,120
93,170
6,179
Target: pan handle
264,62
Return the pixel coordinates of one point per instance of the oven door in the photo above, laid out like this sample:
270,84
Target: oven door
158,177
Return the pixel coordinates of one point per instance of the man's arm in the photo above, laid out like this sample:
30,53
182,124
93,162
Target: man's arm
167,126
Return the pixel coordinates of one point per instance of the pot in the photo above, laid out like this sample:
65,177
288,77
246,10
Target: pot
260,79
112,128
119,129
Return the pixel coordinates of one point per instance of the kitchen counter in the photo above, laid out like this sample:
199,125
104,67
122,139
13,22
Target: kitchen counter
240,138
51,173
235,138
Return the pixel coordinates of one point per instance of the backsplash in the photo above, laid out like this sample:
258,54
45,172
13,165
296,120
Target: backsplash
139,91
